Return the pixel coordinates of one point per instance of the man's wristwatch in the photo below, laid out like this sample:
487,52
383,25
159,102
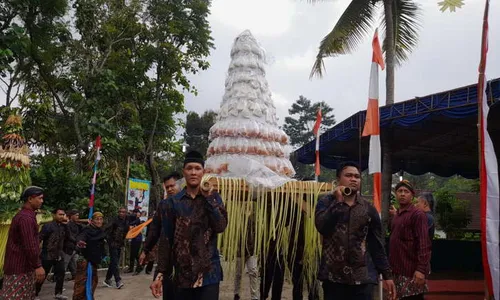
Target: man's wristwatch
159,277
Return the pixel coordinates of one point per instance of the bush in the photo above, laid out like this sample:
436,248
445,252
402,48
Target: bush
453,213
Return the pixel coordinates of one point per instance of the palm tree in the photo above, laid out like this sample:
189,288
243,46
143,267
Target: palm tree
401,24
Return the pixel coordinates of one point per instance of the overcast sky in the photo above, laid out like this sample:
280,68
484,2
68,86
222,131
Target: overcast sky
447,55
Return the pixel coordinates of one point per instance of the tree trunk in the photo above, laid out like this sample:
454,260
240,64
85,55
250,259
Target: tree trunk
389,99
155,194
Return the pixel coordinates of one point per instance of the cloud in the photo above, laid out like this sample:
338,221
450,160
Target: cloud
282,105
299,62
261,17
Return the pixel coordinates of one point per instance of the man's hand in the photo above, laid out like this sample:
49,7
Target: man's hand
338,194
419,278
39,274
156,288
207,193
392,211
81,244
390,288
142,258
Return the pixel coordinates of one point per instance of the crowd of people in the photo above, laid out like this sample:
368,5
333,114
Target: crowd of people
182,239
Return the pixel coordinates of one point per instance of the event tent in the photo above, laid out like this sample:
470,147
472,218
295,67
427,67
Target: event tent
437,133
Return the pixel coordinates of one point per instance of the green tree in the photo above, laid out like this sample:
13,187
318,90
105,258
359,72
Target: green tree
299,127
302,116
453,214
116,70
401,24
198,130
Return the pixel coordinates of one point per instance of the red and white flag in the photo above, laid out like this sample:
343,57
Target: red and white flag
316,134
490,206
372,124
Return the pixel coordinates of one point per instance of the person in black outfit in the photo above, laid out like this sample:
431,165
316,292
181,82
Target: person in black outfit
70,255
52,237
426,204
90,245
155,238
274,271
135,244
116,233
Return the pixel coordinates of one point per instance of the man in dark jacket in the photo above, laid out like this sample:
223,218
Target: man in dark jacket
52,237
116,233
70,255
135,244
90,244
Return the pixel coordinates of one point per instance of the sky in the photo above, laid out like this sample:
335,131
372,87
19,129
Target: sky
447,55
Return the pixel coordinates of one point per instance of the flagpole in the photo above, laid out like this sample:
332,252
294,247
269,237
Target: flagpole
316,131
491,275
88,283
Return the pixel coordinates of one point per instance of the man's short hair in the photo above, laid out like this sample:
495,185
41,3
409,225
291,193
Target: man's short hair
175,175
73,212
30,192
429,198
55,210
346,164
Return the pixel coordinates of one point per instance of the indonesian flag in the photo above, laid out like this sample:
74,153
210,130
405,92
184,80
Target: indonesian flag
316,134
490,210
372,124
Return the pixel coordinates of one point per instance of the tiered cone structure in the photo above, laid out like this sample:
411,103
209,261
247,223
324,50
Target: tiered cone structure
246,139
14,160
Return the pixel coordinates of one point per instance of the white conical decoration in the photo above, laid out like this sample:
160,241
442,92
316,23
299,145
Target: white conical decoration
246,140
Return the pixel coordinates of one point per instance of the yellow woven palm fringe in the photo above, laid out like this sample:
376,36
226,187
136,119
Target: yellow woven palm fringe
272,210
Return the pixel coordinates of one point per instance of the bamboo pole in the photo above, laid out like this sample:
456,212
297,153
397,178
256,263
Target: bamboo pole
126,182
123,258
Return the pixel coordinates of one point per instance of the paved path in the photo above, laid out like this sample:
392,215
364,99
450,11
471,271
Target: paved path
137,288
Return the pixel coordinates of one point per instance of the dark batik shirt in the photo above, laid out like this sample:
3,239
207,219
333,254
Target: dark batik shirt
52,237
22,253
409,245
73,230
349,234
116,232
191,226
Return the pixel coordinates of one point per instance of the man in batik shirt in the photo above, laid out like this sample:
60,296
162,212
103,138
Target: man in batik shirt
22,254
351,230
409,245
52,237
154,237
191,221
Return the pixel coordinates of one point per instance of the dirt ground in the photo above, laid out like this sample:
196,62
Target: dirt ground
137,288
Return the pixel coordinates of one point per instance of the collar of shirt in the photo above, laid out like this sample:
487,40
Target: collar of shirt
185,194
409,209
29,212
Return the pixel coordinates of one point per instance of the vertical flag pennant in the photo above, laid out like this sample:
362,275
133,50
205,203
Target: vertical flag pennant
372,124
317,125
489,180
88,284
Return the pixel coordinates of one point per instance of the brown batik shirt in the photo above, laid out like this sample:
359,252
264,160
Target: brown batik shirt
349,234
191,226
52,237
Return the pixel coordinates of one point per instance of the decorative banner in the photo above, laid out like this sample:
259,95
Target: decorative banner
138,196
